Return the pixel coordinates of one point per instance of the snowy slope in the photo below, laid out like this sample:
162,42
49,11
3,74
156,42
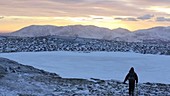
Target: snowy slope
33,30
155,33
20,80
102,65
74,30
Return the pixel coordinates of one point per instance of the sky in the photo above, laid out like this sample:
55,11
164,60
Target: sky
129,14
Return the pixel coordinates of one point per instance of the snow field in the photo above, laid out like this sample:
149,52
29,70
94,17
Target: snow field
101,65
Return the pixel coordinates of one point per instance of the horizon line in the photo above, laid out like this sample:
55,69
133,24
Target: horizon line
1,32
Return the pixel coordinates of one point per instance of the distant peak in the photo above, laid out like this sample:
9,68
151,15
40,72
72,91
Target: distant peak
155,28
40,25
121,29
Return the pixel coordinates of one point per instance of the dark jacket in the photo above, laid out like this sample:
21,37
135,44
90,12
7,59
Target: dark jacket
131,73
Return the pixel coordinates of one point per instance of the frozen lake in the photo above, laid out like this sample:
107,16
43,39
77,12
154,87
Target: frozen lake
102,65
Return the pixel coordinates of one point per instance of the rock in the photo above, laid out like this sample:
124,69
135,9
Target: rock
29,81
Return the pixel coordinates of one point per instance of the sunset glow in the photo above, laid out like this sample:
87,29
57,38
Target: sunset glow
161,9
129,14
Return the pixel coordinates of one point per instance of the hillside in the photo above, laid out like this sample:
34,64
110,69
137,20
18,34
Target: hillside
72,31
93,32
21,80
55,43
155,34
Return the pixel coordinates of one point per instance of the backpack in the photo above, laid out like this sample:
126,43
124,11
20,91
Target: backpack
131,76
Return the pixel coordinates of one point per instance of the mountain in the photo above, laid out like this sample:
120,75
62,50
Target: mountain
156,33
151,34
73,31
120,34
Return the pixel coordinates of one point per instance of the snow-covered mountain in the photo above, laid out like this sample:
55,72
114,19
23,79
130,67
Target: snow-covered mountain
156,33
151,34
73,31
120,34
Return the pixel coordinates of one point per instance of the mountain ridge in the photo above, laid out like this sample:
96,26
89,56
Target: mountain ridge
91,31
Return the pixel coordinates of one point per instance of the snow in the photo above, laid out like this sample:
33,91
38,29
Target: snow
102,65
155,33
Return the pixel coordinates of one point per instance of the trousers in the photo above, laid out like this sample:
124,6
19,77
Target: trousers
131,87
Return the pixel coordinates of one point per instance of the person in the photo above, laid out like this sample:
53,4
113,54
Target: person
131,77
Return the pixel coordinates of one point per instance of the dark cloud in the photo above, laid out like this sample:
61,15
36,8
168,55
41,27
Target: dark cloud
162,19
126,19
145,17
98,18
118,18
1,17
132,19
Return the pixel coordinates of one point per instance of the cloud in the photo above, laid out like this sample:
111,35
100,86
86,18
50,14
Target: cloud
67,1
1,17
162,19
118,18
160,2
126,19
145,17
79,8
150,2
98,18
68,8
132,19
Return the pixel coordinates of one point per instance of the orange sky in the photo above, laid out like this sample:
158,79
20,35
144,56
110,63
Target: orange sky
129,14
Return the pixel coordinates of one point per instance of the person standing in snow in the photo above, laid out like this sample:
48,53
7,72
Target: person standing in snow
131,77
